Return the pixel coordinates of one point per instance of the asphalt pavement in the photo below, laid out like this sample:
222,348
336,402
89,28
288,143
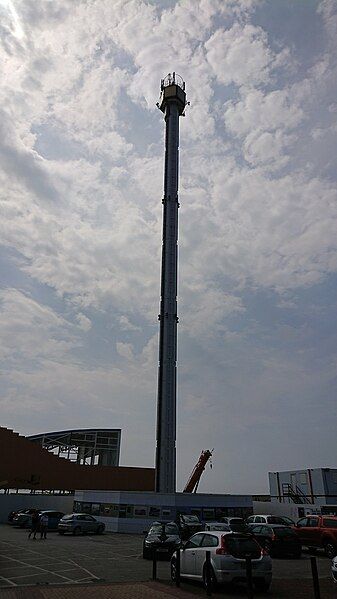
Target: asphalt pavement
113,562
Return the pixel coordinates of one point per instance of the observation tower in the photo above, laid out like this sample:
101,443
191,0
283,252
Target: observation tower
172,103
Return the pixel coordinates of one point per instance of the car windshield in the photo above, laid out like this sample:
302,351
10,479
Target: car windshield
169,529
190,519
68,517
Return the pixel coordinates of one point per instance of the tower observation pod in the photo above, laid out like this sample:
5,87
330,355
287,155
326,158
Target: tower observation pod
172,103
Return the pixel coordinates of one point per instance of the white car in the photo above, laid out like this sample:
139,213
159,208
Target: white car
334,569
270,519
228,559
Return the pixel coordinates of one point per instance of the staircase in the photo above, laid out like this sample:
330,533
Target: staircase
295,494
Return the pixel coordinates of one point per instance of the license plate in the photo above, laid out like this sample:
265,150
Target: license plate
161,550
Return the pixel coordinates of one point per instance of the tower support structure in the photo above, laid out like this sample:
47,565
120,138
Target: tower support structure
172,103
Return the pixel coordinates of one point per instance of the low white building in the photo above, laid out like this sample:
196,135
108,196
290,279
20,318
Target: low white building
133,512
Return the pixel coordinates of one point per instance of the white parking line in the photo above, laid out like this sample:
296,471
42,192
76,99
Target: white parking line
39,568
9,581
84,570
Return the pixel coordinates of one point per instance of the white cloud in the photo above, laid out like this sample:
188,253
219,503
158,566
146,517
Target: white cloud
240,55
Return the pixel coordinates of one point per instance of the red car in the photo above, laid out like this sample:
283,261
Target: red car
319,532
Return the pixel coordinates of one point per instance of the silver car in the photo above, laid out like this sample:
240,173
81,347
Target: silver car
228,559
78,524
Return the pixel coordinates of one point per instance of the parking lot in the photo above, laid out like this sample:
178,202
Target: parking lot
112,558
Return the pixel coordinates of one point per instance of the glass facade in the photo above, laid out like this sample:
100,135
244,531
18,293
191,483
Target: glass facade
114,510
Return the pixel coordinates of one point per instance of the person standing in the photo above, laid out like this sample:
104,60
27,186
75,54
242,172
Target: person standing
35,525
43,525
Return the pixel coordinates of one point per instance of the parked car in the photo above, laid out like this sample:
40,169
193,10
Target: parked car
15,513
319,532
277,539
162,536
235,524
270,519
334,569
228,559
188,524
78,524
217,526
24,520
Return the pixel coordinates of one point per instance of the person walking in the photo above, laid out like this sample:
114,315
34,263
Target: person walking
35,525
43,525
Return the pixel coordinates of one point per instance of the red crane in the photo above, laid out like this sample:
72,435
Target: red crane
193,482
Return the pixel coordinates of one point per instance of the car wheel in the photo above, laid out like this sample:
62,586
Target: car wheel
262,585
211,583
330,550
173,570
100,530
77,530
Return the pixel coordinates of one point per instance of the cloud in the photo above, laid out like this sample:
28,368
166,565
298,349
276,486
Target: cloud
240,55
82,177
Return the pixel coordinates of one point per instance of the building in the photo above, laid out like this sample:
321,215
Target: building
88,446
313,490
26,465
131,512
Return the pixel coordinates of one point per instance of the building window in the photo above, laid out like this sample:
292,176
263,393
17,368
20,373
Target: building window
109,509
303,478
86,508
166,513
95,509
208,513
154,512
140,511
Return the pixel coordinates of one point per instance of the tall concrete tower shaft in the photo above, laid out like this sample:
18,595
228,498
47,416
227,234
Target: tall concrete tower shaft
172,103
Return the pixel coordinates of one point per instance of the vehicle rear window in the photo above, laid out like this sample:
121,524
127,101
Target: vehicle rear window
275,520
330,523
284,532
242,547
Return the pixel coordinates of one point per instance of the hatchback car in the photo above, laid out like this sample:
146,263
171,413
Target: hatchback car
164,537
229,551
78,524
277,539
269,519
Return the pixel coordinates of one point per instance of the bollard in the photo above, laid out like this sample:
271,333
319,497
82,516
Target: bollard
154,563
315,579
249,575
178,568
208,578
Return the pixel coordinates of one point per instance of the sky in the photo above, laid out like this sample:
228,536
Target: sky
81,154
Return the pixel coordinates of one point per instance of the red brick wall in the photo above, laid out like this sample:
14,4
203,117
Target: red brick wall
26,465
